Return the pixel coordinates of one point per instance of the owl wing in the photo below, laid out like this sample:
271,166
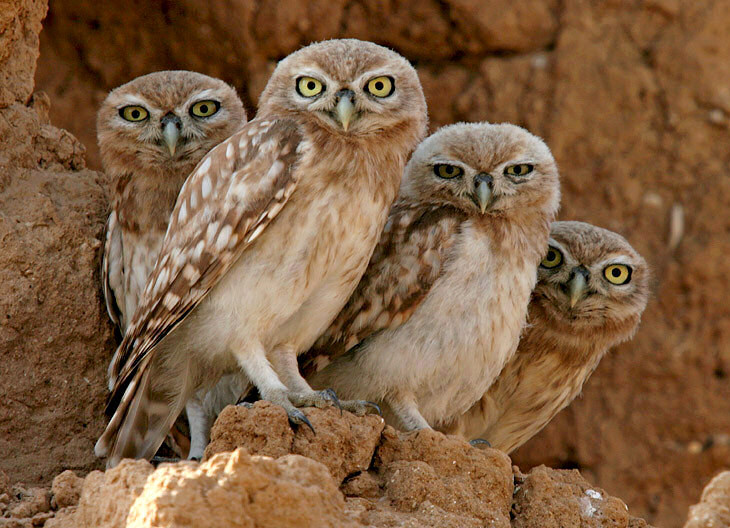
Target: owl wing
410,256
112,270
226,203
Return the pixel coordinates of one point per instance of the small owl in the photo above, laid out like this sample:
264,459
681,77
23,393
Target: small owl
592,290
441,307
268,239
152,133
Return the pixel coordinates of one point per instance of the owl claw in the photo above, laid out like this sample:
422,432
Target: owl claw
480,443
361,407
330,393
297,417
247,405
155,460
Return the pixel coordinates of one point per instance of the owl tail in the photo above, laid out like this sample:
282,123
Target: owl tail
141,420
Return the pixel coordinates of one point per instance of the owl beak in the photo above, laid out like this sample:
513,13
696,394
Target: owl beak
345,107
171,126
483,191
577,285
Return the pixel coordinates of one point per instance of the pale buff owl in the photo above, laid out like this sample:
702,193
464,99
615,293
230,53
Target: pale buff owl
592,290
152,132
268,239
441,307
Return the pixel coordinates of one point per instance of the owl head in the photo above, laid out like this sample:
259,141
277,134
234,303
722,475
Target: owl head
483,169
591,277
349,88
166,122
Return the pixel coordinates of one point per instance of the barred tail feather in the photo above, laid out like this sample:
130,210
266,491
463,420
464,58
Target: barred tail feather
142,419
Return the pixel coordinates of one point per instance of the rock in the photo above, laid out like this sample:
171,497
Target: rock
228,490
66,489
344,444
20,24
550,498
54,334
713,510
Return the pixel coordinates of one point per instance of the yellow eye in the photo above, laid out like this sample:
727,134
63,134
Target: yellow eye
134,113
447,171
309,86
204,108
553,259
617,274
523,169
380,86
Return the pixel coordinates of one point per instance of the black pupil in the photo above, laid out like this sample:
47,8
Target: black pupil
311,85
379,85
616,272
135,114
551,255
203,109
449,170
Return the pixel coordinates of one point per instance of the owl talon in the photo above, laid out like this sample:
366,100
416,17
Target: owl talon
247,405
156,460
317,399
297,417
480,443
361,407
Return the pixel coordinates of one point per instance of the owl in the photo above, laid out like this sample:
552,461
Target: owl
152,132
591,292
268,238
441,306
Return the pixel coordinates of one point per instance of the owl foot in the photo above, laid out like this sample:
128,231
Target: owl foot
163,460
317,399
246,404
297,417
480,443
361,407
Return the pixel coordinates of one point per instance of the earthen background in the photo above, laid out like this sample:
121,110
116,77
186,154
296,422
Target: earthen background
632,96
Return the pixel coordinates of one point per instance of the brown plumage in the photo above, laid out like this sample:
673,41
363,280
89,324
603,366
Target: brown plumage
152,132
576,315
268,238
440,308
150,140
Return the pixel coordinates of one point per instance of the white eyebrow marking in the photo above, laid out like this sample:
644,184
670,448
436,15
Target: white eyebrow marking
131,99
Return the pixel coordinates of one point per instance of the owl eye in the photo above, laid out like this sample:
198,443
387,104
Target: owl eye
617,274
134,113
380,86
204,108
309,86
447,172
523,169
553,259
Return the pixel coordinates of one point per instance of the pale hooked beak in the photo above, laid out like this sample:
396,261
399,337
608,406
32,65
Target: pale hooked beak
483,191
345,109
577,285
171,126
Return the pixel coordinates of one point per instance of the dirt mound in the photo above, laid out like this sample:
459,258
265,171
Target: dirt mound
53,336
420,480
713,510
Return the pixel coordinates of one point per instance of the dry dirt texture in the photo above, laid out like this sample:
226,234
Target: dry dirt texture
632,96
276,478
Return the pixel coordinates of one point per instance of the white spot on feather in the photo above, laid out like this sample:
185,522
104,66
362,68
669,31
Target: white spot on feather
276,169
170,300
198,251
211,233
193,200
230,151
223,237
206,187
182,215
204,166
191,273
161,280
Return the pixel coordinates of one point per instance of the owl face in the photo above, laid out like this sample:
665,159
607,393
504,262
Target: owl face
167,118
348,87
591,275
483,168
